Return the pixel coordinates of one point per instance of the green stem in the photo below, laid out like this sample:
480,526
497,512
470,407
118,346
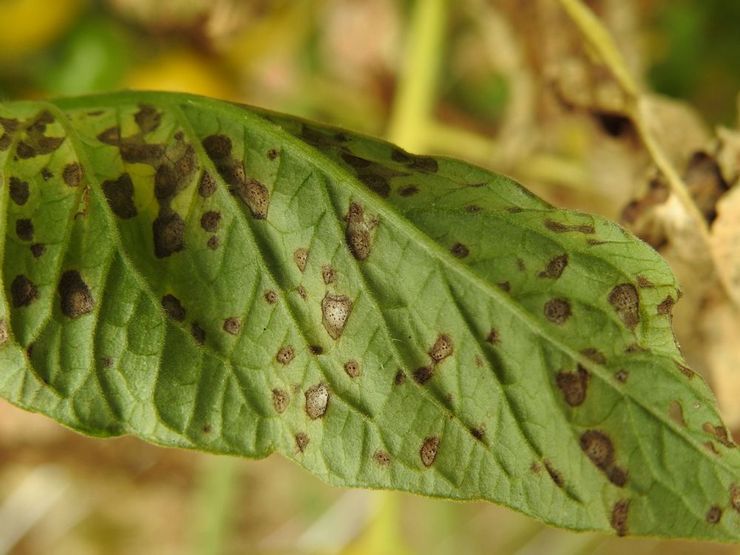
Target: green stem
417,82
212,504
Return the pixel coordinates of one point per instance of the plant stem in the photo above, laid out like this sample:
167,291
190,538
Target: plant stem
417,82
213,504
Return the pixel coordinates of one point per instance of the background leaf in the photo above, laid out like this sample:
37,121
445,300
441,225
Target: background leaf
210,276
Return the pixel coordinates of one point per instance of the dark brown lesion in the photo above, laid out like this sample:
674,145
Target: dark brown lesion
360,231
32,138
23,292
120,196
76,297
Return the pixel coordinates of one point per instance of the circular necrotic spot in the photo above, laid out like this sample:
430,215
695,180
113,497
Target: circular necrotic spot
207,185
213,242
618,520
77,299
554,474
598,447
46,174
37,249
270,296
428,451
422,375
168,231
273,153
210,221
301,442
621,376
594,355
120,196
72,174
557,311
442,348
173,308
382,457
218,147
626,302
555,267
665,308
280,400
735,497
328,274
316,349
335,310
352,368
675,412
24,229
408,191
285,355
23,291
19,192
460,250
317,400
573,385
399,378
232,325
300,257
302,293
617,476
493,337
198,333
478,432
714,514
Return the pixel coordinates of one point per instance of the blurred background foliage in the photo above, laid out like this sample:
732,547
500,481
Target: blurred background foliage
503,83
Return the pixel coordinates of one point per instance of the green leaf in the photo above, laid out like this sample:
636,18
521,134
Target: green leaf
211,276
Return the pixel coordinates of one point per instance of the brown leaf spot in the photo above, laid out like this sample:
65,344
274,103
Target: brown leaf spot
423,374
399,378
4,334
255,195
168,231
573,385
352,367
317,400
598,447
232,325
643,282
382,457
622,375
285,355
408,191
120,196
428,451
358,232
210,221
213,242
720,434
217,147
23,291
675,412
72,174
316,349
554,474
301,441
555,267
302,292
280,400
270,296
558,227
328,274
620,512
459,250
77,299
300,257
37,249
626,303
19,192
198,333
335,310
207,185
714,514
479,433
493,337
685,370
557,311
617,476
665,308
24,229
173,308
272,153
594,354
147,118
442,348
735,497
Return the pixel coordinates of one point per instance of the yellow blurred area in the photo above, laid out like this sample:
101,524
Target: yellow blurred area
181,71
28,25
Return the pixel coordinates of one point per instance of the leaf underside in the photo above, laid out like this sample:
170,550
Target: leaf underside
211,276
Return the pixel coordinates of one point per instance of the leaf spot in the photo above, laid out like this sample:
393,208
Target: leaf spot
554,474
620,513
408,191
423,375
207,185
399,378
359,232
173,308
120,196
232,325
328,274
714,514
300,257
555,267
598,447
557,311
317,401
335,310
23,291
573,385
443,347
428,451
382,458
626,303
168,230
270,296
77,299
352,368
24,229
210,221
285,355
198,333
459,250
280,400
19,192
301,442
675,412
72,174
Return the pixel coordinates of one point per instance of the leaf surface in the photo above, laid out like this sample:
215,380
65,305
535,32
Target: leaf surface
212,276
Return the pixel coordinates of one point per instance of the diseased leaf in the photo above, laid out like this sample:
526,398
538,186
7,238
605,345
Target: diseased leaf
214,277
